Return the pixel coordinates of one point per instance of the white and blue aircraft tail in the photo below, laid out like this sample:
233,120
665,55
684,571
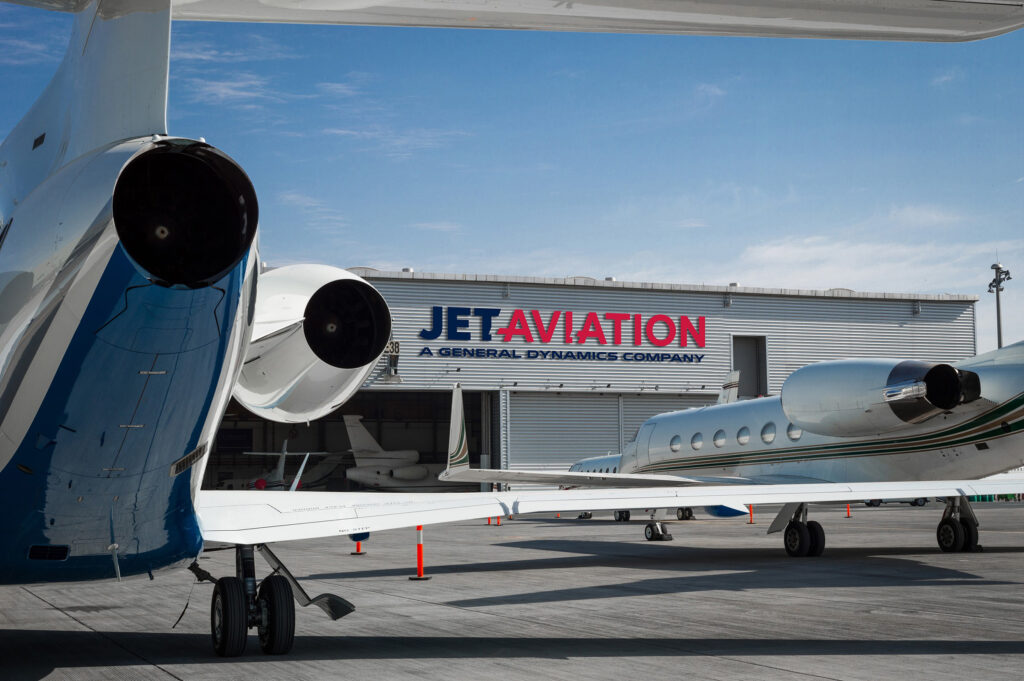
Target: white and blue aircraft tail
132,307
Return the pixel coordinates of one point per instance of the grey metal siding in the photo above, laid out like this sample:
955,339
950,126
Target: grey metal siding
799,329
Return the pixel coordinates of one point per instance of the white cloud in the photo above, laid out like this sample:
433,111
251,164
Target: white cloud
21,52
400,143
951,75
447,227
922,215
315,212
239,88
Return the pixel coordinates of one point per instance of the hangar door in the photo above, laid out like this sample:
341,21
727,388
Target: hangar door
551,431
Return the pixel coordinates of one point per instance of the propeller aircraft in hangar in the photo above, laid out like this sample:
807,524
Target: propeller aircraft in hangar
133,307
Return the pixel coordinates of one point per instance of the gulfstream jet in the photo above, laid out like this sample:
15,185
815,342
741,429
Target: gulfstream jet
133,306
848,421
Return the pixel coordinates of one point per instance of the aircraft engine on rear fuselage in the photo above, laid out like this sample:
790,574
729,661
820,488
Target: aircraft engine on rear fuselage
318,331
185,213
852,398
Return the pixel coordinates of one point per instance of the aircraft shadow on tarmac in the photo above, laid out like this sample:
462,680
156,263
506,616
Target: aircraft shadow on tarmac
25,654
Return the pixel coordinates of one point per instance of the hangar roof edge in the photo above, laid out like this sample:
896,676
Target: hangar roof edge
590,282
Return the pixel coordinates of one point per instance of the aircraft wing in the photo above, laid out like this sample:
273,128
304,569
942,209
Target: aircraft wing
580,479
253,517
931,20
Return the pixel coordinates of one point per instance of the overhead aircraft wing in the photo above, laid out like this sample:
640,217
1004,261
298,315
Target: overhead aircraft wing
254,517
931,20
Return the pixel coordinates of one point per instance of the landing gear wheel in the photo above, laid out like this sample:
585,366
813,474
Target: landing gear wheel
970,536
651,532
277,615
586,515
874,503
950,535
685,513
617,515
817,534
919,502
797,539
228,620
625,516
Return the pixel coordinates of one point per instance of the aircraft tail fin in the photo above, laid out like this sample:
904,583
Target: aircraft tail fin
363,444
730,388
458,447
298,476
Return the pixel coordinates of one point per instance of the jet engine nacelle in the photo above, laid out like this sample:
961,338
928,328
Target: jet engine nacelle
851,398
317,334
185,212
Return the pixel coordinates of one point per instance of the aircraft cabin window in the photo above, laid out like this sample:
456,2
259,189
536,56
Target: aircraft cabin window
743,435
697,441
676,443
794,432
720,438
768,433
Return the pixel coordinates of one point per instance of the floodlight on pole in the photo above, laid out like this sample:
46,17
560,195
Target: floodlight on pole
996,286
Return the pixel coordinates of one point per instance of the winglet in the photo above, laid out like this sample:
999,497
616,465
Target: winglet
730,388
458,447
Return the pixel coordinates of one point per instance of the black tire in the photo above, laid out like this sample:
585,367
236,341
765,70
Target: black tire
625,516
228,618
874,503
918,502
950,535
817,535
970,536
680,514
277,618
651,532
797,539
689,513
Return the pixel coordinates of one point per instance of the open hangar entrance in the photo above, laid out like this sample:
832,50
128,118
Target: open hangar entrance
396,420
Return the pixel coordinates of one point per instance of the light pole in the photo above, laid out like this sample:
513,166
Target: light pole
996,285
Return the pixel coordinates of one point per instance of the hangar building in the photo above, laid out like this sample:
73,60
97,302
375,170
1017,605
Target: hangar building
554,370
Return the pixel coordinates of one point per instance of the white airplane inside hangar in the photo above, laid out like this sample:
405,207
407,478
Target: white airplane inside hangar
548,402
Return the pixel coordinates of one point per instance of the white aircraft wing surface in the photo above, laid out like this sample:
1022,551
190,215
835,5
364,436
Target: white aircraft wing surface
576,479
253,517
931,20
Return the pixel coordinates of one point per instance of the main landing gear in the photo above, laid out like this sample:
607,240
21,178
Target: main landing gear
800,537
621,516
958,529
239,605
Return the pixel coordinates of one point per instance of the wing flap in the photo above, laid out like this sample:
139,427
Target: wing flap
254,517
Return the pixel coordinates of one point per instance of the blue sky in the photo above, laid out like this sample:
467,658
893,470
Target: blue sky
779,163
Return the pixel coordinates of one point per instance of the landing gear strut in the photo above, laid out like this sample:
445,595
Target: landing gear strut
800,537
239,605
958,529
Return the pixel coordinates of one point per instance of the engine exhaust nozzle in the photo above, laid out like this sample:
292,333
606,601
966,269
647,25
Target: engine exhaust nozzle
185,212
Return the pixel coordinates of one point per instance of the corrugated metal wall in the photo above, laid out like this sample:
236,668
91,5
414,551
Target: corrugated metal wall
549,413
798,330
549,431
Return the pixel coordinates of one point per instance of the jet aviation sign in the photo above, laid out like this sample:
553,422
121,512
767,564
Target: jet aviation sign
603,337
